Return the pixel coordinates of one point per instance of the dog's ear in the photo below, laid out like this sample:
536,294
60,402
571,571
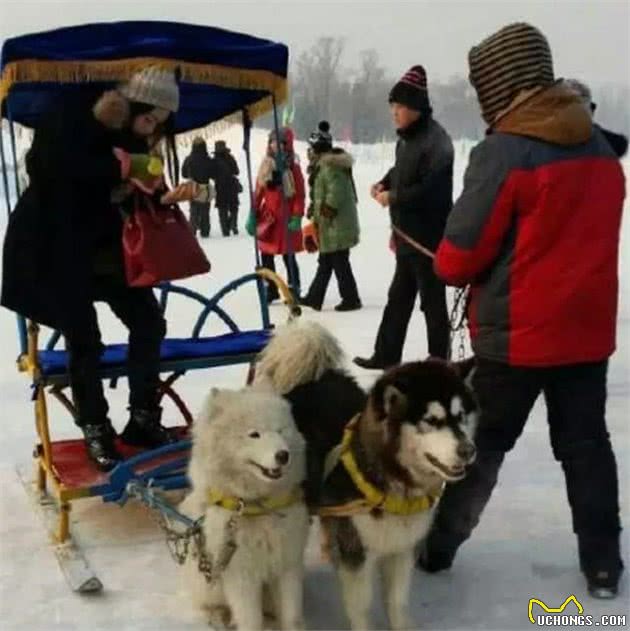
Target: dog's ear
465,370
214,403
394,403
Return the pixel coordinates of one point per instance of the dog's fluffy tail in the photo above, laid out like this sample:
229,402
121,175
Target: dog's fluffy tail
298,353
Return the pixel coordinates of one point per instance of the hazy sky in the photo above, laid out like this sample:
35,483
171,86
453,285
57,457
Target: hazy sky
590,39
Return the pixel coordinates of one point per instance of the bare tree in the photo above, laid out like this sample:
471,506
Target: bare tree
370,72
354,100
316,80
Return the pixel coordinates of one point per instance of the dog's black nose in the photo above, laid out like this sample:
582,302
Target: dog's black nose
466,451
282,457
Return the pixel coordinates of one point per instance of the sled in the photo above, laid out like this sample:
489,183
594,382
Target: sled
226,75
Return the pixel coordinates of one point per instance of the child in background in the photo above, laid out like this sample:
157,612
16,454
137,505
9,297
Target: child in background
279,208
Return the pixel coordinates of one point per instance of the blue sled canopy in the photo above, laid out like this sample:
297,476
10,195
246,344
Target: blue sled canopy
220,72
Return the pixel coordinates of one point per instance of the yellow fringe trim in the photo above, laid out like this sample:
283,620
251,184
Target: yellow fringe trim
34,71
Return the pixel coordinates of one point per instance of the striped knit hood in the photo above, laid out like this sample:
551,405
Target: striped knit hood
514,59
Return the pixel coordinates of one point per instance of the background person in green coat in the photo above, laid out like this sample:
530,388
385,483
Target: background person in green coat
333,209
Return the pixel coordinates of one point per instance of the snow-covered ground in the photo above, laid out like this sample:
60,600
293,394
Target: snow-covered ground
523,548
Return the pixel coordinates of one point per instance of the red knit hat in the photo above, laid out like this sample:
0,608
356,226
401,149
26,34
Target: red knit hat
411,90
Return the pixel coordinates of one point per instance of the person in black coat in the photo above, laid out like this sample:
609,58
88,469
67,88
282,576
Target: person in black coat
228,188
200,168
618,142
63,252
418,191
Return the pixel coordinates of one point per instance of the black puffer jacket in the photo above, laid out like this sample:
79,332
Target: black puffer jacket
199,166
65,216
228,186
421,184
618,142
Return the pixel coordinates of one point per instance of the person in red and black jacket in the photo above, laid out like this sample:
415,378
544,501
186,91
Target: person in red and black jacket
535,234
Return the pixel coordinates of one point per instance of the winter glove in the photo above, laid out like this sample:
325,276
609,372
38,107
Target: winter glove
145,167
328,212
295,224
250,225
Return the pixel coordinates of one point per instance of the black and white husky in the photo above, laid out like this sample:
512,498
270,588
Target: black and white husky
376,493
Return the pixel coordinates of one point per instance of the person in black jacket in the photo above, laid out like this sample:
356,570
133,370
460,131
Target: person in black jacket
418,191
200,168
228,188
618,142
62,250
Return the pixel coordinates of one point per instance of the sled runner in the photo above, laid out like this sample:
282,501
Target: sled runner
221,74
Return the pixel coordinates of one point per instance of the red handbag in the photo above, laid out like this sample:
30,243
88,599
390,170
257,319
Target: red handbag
158,245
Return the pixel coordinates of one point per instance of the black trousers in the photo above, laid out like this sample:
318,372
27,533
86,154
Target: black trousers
339,263
200,218
228,218
139,311
293,273
576,400
414,275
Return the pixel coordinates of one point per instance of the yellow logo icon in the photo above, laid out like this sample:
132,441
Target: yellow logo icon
560,609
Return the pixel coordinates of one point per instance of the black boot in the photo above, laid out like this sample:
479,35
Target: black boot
347,305
144,430
99,443
432,558
272,294
295,294
371,363
306,301
603,584
601,563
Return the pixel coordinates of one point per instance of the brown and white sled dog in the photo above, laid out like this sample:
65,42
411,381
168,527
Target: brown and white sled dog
246,447
376,483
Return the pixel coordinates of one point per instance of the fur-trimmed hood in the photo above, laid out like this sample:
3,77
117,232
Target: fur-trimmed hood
337,159
112,110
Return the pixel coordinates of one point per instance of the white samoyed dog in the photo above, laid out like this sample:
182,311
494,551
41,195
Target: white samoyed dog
248,451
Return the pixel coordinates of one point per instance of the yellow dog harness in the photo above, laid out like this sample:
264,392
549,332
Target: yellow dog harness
373,498
256,508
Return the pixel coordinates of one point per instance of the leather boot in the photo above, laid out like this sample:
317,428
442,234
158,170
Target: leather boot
144,429
600,561
99,442
371,363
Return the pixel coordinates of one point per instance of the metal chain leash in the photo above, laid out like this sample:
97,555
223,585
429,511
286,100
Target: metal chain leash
459,323
179,541
180,548
212,571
